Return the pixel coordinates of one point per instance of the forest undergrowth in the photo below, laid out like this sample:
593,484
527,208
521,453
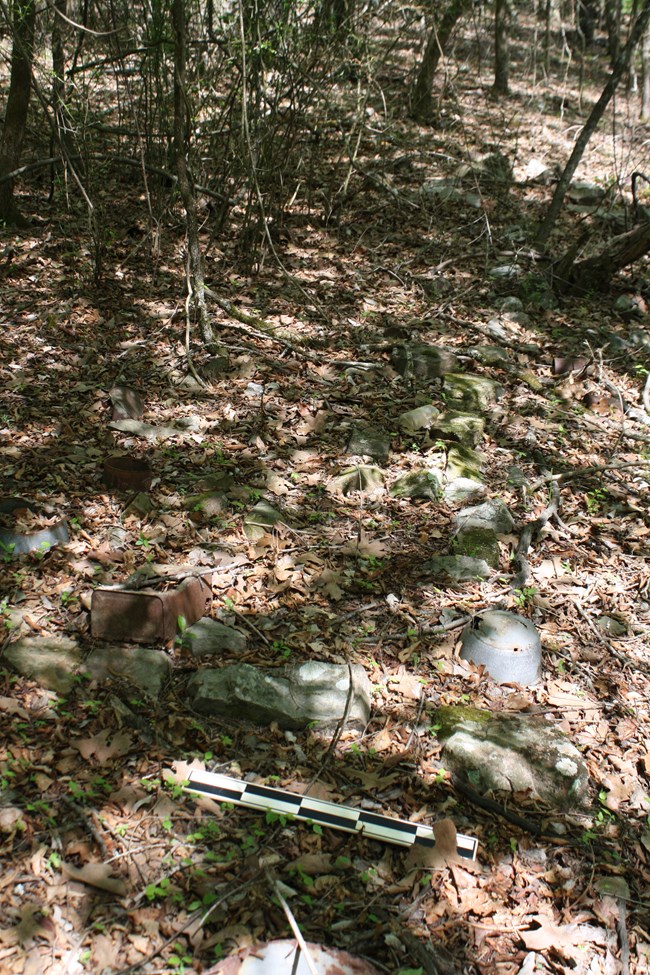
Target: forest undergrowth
108,866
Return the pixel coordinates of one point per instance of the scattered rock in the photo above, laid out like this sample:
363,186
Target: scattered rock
506,272
117,537
366,479
435,285
368,442
209,504
420,418
220,481
586,194
463,489
193,423
260,520
463,461
492,514
630,306
537,173
215,367
469,392
489,355
209,637
478,543
496,327
457,568
517,318
127,403
148,669
517,477
147,430
423,361
139,507
513,754
310,692
441,189
419,484
52,661
510,303
610,626
465,428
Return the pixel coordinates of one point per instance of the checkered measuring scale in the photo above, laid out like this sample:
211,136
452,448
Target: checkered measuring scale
331,814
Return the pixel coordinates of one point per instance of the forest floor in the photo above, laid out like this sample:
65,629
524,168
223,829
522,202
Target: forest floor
107,865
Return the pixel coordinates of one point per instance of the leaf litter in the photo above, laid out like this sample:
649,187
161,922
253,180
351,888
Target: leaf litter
108,865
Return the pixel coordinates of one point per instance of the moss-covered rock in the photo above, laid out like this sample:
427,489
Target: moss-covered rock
446,719
478,543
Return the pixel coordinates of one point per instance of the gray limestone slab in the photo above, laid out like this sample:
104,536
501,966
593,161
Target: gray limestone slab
294,698
52,661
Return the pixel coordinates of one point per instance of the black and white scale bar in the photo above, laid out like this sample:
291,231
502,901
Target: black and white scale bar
263,797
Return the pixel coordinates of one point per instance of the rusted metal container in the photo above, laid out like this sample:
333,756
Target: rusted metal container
147,616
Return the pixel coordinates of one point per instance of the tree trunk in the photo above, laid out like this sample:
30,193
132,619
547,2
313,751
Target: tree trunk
501,43
613,24
586,21
595,273
20,84
181,135
645,76
590,126
422,101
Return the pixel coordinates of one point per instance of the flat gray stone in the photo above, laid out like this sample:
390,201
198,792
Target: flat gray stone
517,478
519,753
52,661
423,361
420,418
140,506
209,637
585,193
457,568
147,430
419,484
489,355
442,190
611,626
466,428
492,514
127,403
294,698
478,543
506,272
510,303
260,520
369,442
468,392
463,489
148,669
463,461
365,479
630,306
210,504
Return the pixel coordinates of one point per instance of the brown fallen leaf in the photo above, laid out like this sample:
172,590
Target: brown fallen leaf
97,746
11,706
437,857
551,935
33,923
95,875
